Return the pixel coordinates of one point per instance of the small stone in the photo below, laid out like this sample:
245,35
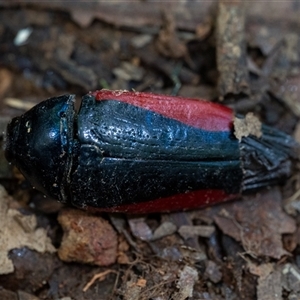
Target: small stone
87,238
166,228
187,231
212,272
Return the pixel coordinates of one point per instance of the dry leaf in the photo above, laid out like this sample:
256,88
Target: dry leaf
258,223
17,231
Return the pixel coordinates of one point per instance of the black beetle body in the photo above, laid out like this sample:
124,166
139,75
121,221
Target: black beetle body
41,145
139,152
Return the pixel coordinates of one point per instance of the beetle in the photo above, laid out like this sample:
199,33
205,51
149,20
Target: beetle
139,152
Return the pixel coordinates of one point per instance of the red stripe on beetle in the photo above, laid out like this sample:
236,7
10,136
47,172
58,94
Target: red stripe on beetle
179,202
197,113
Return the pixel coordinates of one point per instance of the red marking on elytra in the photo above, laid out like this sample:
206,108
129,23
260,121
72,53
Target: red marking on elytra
179,202
197,113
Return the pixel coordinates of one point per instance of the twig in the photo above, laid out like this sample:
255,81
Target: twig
100,276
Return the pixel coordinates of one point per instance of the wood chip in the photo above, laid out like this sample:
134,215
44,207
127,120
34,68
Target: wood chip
249,125
187,231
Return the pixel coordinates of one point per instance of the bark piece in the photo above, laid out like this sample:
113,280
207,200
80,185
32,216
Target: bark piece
231,49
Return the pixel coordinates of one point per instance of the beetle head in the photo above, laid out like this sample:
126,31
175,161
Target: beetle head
40,144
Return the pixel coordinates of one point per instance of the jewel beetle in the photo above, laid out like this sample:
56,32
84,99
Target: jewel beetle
140,152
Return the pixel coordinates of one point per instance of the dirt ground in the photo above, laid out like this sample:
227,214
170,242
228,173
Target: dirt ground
245,55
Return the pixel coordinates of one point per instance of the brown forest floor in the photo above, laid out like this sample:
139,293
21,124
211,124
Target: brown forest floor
243,54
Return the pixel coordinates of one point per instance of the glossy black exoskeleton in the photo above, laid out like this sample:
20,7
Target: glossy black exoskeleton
122,152
41,142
